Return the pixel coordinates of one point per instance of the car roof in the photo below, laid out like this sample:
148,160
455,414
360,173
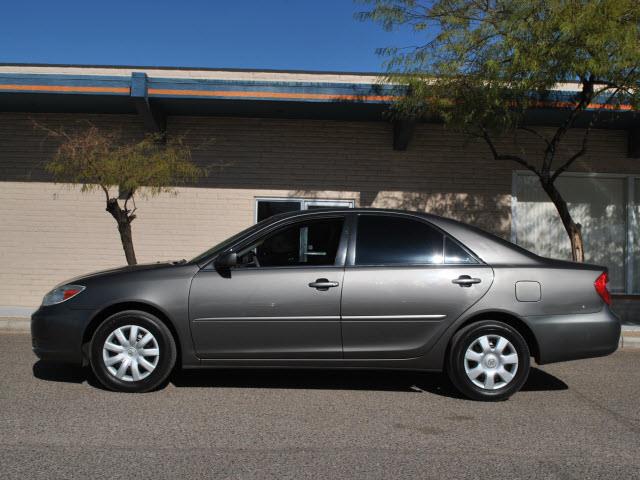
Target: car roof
324,210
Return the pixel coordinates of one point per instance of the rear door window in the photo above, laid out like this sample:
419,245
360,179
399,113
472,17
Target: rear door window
388,240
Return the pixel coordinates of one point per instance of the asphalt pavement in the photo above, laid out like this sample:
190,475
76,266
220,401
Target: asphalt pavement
575,420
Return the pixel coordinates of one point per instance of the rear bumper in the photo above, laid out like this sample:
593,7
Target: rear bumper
56,333
571,337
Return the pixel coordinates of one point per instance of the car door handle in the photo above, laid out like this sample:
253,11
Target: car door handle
465,280
323,284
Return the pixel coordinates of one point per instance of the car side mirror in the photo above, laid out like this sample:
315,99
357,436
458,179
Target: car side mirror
227,260
223,263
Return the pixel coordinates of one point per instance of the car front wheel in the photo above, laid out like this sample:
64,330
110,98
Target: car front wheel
488,360
132,351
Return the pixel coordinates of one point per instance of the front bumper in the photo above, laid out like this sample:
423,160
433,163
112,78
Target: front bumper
56,333
571,337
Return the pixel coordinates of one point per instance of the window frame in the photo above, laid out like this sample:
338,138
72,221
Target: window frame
630,204
305,203
353,227
341,253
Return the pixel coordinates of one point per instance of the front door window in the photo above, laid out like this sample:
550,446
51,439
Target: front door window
302,244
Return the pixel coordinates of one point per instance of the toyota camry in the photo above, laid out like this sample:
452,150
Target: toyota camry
342,288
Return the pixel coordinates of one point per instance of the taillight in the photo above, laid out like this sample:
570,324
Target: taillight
601,287
70,292
61,294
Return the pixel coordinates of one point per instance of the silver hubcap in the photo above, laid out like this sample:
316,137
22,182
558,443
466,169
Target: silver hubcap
131,353
491,362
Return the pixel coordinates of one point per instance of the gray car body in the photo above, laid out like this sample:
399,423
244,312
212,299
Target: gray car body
379,316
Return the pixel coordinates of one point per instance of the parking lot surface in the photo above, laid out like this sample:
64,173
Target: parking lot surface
572,421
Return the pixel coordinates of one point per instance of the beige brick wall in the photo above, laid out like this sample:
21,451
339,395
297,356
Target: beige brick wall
50,232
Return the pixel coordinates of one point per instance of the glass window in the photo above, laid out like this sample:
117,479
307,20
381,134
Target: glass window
597,203
269,208
385,239
455,254
307,243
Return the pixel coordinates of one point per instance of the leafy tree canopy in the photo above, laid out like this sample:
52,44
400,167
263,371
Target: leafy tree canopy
484,62
101,159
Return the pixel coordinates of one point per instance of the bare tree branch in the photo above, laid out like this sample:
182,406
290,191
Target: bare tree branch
573,157
50,132
563,168
585,98
106,192
514,158
534,132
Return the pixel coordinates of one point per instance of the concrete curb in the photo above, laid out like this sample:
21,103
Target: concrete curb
630,337
630,333
14,325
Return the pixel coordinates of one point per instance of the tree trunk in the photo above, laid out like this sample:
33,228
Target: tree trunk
572,228
124,228
127,242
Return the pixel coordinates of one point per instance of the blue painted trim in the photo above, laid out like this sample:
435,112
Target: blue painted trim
139,84
192,82
313,88
568,96
71,80
64,84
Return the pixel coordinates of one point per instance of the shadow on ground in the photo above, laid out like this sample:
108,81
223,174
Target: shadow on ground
396,381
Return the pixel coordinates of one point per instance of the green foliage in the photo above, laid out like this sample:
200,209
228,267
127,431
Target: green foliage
103,159
483,63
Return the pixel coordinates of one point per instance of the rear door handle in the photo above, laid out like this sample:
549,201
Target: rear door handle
465,280
323,284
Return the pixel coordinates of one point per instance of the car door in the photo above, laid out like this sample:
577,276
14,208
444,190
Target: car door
404,282
282,299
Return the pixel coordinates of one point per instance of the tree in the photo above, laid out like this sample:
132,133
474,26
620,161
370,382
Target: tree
103,160
484,64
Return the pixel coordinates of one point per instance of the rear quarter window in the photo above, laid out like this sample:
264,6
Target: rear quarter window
454,253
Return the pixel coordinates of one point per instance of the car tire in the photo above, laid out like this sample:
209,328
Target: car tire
132,351
488,360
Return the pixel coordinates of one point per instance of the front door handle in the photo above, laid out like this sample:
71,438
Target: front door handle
465,280
323,284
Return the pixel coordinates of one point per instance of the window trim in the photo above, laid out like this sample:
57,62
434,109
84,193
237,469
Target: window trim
351,254
629,204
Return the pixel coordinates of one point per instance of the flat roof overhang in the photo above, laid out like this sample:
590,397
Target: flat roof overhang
96,103
184,92
155,92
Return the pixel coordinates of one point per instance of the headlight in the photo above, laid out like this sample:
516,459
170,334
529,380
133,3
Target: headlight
61,294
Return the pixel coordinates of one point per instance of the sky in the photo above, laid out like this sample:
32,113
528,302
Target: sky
267,34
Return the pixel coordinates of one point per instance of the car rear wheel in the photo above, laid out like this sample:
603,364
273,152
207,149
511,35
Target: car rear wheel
488,360
132,351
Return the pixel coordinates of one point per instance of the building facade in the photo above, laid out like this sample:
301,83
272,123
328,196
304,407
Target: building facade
276,141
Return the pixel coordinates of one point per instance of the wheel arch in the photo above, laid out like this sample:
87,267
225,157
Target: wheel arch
106,312
511,320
